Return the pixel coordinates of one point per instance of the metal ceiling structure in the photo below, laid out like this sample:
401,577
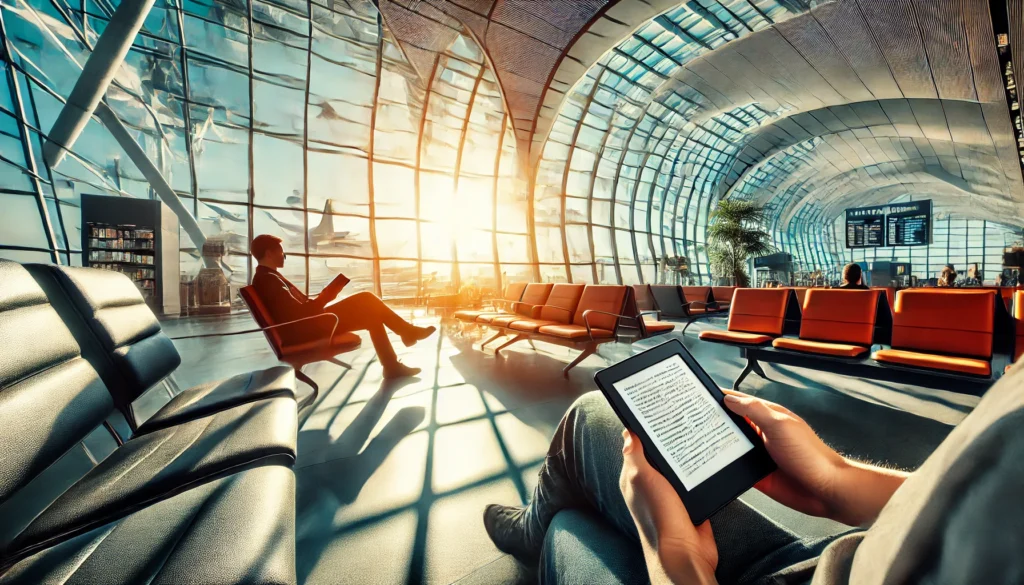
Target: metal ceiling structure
460,141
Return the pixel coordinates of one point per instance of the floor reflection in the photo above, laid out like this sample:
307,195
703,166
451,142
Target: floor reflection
392,478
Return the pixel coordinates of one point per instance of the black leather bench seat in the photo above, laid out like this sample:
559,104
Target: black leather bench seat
159,464
211,397
238,529
121,336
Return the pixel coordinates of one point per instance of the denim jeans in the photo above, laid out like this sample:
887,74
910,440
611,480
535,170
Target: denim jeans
590,537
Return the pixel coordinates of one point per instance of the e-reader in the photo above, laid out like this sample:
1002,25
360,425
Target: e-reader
709,454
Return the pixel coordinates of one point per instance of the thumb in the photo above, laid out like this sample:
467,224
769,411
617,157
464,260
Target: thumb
754,409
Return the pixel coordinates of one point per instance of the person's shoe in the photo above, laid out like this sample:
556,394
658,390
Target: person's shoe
506,527
418,334
400,370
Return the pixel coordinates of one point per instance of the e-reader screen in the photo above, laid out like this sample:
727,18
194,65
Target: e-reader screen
684,421
709,454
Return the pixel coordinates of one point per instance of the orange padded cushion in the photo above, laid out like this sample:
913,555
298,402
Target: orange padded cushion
758,310
696,293
530,325
644,297
574,332
842,316
561,304
836,349
1018,320
514,291
735,337
723,294
936,362
260,314
606,298
655,327
501,320
537,293
468,315
954,322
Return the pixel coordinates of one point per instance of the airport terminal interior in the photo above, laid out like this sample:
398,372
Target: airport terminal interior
474,206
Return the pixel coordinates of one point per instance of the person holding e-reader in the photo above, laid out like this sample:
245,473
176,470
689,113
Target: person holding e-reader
655,502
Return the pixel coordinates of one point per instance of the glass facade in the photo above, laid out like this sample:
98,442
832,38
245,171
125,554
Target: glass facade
301,120
305,120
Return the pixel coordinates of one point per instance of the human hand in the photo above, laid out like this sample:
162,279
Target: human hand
807,467
676,551
811,477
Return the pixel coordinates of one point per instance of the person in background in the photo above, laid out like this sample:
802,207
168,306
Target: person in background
947,278
361,311
853,279
1000,280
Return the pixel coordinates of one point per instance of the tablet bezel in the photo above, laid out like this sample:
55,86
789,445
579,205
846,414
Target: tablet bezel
728,483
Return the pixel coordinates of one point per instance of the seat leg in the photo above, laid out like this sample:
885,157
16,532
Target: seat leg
587,352
683,332
518,337
746,370
756,366
532,346
492,338
335,360
302,376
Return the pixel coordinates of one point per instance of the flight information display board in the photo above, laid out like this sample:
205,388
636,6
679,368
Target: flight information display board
865,227
909,224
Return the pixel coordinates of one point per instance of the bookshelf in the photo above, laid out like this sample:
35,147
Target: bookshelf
138,238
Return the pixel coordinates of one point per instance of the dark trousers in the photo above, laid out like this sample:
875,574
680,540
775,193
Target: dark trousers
365,311
590,537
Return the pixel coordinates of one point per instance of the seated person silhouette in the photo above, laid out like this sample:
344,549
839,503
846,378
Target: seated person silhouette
853,278
361,311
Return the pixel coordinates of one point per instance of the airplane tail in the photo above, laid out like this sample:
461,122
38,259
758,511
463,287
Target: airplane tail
327,221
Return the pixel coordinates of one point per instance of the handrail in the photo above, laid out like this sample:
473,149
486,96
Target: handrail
588,312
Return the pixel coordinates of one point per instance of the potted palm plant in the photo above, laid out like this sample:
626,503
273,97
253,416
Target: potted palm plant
736,233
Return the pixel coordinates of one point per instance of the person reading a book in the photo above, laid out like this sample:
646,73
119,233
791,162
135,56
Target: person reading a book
358,312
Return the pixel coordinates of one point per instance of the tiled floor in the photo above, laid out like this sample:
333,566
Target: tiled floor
393,478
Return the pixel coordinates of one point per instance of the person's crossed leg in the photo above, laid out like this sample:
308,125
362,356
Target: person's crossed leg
581,531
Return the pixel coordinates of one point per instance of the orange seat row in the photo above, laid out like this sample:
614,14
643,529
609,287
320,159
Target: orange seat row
957,331
573,315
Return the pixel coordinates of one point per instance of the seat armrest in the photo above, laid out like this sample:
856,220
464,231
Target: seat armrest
589,312
657,314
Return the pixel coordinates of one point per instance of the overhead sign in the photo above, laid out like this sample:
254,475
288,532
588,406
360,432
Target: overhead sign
909,224
899,224
865,227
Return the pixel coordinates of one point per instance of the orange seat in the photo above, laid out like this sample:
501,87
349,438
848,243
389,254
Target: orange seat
534,295
575,332
530,325
600,306
700,295
1018,323
656,327
820,347
756,316
723,295
513,292
736,337
835,322
962,365
943,330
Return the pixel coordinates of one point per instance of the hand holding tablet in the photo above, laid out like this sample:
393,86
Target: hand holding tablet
708,454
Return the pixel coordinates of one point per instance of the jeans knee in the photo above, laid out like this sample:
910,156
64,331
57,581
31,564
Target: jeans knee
591,405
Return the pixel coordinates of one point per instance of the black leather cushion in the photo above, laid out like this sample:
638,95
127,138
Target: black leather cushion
157,465
209,398
127,330
238,529
50,398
